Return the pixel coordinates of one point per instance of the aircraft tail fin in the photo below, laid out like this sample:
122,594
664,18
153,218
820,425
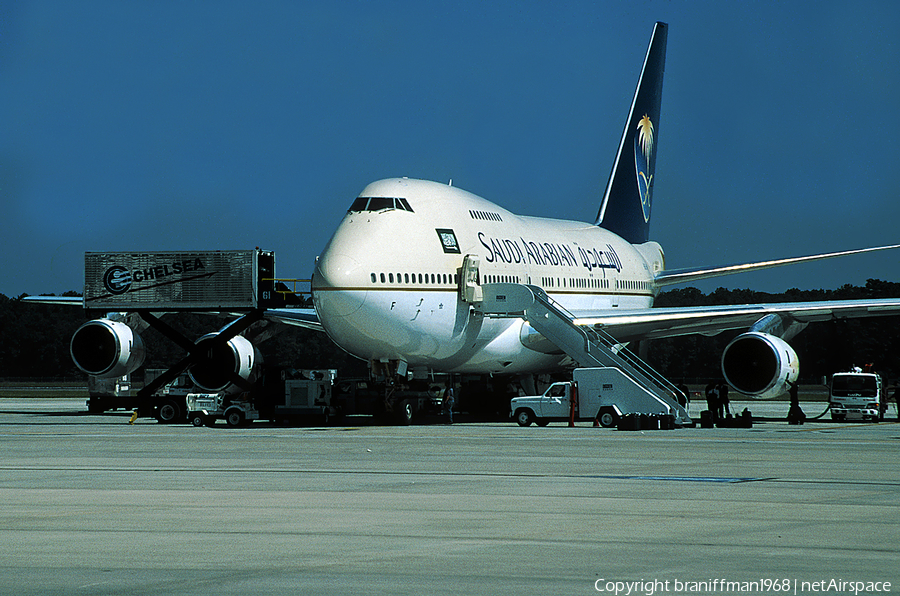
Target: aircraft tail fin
625,208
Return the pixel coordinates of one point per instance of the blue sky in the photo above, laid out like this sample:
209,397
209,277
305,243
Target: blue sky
223,125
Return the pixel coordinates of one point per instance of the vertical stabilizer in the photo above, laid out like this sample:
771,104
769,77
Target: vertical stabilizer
626,204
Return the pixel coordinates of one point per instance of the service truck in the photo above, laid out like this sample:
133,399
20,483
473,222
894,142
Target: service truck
285,396
397,403
235,409
602,394
167,403
856,395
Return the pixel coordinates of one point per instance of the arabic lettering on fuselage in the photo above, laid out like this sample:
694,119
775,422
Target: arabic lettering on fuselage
505,250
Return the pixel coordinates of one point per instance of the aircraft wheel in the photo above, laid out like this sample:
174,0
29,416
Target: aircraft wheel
524,417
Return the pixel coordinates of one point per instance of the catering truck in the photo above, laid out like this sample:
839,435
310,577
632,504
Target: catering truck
856,396
602,394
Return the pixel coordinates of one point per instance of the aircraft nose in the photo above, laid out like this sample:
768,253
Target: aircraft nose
336,286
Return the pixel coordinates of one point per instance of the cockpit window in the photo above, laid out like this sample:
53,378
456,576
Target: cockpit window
379,204
359,204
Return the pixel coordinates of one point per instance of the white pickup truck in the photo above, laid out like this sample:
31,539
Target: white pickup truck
602,394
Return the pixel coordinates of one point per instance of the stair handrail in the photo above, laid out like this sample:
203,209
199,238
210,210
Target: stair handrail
609,342
638,363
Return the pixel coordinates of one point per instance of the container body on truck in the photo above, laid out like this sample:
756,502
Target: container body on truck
601,394
299,396
856,396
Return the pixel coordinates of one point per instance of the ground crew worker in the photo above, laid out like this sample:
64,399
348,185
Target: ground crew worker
449,401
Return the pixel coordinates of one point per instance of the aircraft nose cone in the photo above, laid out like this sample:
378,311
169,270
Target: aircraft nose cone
337,289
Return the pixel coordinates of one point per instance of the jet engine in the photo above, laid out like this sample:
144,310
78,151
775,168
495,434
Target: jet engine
222,361
106,348
760,365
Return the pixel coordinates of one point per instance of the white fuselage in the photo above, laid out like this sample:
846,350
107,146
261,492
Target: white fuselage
386,286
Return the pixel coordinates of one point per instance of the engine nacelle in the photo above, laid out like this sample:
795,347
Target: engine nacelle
106,348
237,356
760,365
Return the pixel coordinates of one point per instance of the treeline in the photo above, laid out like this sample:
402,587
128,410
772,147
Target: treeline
34,338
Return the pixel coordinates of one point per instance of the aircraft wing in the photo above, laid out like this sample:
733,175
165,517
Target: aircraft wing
60,300
678,276
298,317
654,323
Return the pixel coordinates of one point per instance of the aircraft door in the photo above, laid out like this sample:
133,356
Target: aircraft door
469,287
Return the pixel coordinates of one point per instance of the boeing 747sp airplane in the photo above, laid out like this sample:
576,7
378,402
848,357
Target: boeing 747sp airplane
414,272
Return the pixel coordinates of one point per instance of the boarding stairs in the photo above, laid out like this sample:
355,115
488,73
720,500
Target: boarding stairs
590,347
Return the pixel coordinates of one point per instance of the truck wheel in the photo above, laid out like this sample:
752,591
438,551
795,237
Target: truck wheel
234,418
524,417
542,421
168,412
607,417
197,420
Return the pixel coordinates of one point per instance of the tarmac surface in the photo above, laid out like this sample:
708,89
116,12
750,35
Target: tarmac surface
90,504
